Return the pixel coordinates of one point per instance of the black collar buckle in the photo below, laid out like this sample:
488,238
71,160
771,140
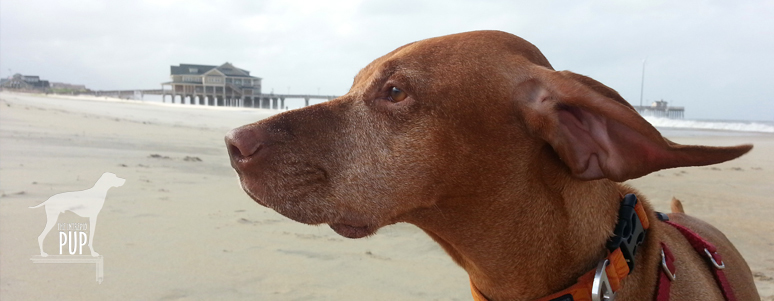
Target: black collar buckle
629,232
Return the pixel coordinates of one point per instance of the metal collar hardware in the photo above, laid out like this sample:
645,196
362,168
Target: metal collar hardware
600,288
670,274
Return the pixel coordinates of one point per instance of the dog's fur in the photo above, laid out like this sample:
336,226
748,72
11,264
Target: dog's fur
84,203
510,166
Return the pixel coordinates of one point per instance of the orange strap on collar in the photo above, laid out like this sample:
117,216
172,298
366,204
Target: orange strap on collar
615,271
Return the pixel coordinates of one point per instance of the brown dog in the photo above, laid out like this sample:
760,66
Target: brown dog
509,165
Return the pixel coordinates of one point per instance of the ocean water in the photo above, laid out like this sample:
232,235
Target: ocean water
687,127
667,127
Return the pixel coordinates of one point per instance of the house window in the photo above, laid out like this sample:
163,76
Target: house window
193,70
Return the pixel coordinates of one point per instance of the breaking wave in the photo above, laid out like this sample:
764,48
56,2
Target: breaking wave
738,126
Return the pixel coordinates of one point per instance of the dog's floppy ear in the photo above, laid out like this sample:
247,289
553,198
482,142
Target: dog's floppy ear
597,134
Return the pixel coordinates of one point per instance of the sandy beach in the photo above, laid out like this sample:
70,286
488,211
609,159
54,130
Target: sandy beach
181,228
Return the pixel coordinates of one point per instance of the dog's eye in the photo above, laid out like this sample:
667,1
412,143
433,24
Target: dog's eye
397,95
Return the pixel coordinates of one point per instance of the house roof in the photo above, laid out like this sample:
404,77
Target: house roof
192,69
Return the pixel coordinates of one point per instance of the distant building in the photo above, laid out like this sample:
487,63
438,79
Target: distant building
67,87
661,108
25,82
212,85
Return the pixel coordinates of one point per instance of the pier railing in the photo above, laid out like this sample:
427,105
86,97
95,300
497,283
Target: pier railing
661,111
233,98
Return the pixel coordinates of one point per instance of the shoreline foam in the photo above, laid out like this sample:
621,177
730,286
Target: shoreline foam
734,126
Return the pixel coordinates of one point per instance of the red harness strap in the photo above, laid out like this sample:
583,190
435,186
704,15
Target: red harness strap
704,248
667,274
616,268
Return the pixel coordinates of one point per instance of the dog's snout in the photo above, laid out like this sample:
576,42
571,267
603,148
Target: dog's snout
244,142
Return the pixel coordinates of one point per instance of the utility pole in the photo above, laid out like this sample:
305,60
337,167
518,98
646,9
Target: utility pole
642,83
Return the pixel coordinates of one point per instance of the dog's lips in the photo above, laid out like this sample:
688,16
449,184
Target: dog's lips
260,202
350,231
252,196
347,227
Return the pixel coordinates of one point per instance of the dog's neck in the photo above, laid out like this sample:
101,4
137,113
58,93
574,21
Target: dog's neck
522,244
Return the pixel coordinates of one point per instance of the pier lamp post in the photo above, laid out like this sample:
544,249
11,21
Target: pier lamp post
642,83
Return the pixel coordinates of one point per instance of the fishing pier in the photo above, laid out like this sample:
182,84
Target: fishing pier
207,85
661,108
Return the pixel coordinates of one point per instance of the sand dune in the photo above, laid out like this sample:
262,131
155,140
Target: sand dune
182,229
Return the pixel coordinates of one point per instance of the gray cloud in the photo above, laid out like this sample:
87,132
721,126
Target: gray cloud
713,57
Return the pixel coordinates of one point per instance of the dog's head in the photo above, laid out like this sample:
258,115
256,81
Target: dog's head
112,180
446,118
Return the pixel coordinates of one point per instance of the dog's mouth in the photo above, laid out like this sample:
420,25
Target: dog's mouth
252,195
348,225
350,231
346,229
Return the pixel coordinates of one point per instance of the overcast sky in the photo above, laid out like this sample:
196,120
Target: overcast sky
713,57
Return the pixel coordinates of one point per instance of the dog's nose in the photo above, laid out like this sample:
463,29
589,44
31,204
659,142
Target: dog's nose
244,142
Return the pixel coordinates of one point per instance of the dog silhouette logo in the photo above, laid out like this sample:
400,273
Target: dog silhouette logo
85,203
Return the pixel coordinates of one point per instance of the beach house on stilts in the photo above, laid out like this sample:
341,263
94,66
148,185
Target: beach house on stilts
224,85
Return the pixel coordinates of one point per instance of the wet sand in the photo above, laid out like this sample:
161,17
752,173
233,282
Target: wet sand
182,229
